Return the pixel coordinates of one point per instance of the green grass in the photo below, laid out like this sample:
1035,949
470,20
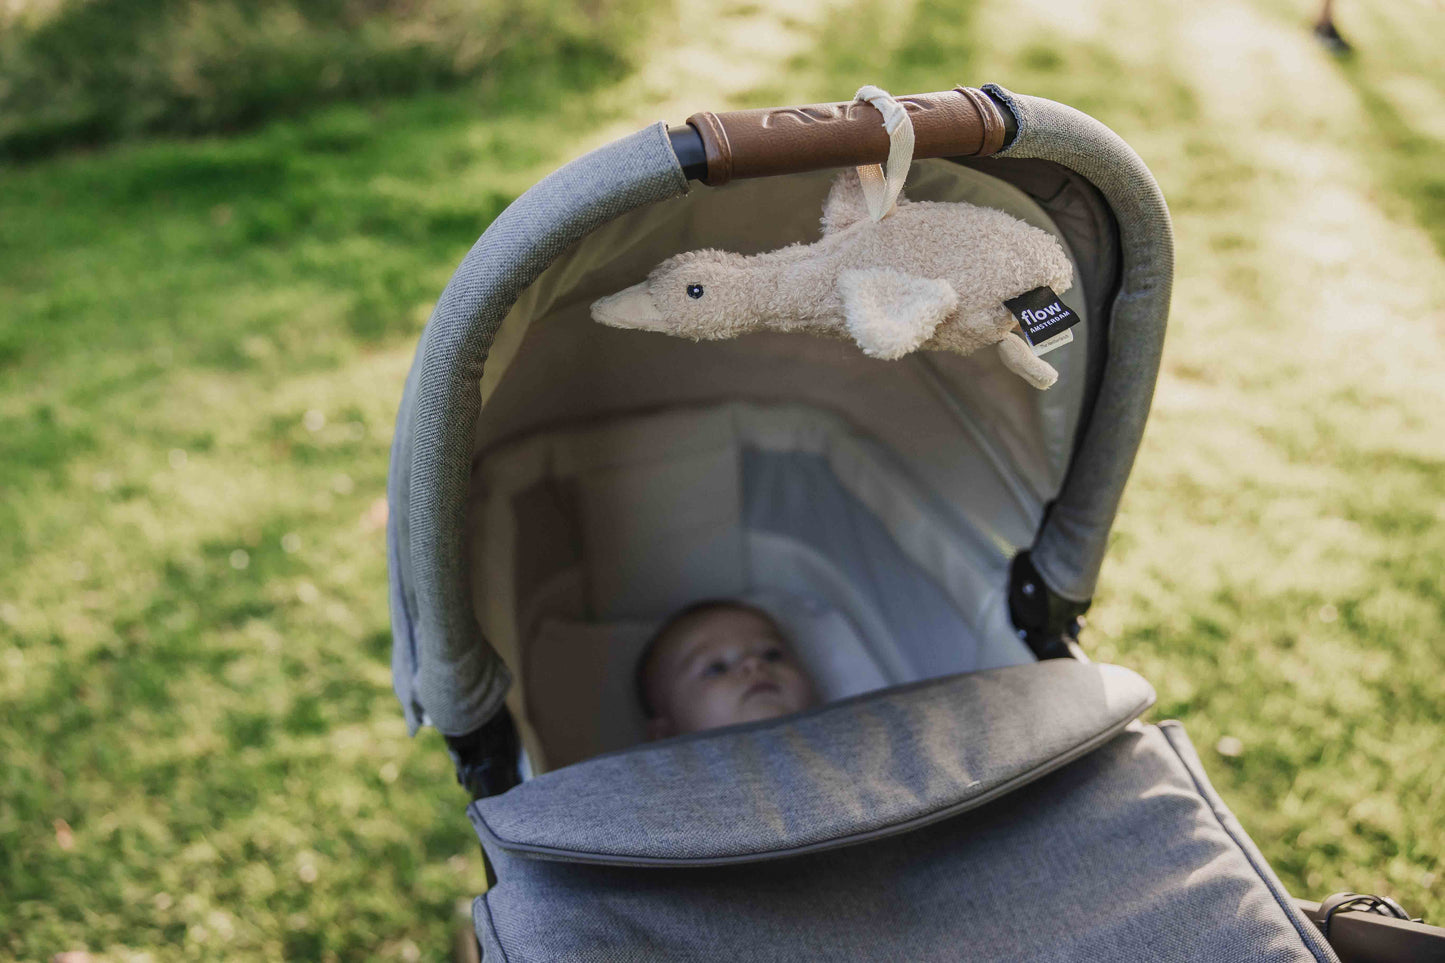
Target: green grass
203,348
85,72
202,345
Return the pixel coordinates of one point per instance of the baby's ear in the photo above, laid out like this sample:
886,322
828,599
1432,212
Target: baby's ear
660,727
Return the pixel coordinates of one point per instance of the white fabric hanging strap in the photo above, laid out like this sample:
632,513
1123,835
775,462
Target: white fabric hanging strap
881,188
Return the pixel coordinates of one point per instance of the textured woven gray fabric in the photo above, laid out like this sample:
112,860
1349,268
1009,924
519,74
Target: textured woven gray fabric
446,669
443,669
1070,547
1308,932
1115,857
877,762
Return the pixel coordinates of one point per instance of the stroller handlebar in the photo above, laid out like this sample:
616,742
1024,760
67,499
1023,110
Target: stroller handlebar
716,148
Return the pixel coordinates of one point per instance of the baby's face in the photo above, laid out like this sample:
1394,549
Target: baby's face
722,668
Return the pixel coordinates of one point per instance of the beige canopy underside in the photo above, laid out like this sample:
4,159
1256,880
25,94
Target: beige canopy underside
609,486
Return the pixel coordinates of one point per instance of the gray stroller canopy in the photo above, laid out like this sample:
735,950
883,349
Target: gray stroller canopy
991,466
923,529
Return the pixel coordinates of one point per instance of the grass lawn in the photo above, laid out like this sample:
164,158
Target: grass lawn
202,346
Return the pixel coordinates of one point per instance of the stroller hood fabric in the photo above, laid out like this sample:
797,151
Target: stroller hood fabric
1010,812
444,670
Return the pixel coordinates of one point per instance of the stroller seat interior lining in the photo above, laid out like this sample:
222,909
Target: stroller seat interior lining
631,519
988,452
579,677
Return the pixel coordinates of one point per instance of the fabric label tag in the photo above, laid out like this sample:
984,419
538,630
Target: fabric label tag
1044,318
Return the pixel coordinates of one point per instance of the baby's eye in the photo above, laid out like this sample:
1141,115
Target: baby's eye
694,291
714,668
773,655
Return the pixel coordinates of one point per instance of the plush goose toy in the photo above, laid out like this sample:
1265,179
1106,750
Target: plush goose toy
927,275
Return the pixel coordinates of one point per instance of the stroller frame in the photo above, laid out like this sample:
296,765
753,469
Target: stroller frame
446,673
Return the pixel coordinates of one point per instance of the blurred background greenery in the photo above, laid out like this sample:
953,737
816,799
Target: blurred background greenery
223,224
87,73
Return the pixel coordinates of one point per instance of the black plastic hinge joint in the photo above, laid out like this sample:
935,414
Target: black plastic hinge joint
1360,903
1048,623
486,759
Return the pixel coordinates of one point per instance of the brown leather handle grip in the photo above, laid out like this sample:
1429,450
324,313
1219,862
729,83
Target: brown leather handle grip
963,122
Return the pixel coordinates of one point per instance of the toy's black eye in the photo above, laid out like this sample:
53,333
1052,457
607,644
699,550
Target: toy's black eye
694,291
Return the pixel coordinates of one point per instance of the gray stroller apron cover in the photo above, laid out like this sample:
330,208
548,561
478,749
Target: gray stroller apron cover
864,768
1017,813
446,669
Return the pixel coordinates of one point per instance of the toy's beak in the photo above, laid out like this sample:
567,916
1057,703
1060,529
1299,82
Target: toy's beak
629,308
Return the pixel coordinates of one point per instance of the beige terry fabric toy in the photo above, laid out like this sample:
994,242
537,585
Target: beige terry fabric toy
928,275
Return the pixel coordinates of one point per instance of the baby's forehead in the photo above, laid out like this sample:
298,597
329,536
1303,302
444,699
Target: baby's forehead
715,627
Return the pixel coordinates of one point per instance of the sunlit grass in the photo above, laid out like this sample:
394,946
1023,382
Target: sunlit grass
202,346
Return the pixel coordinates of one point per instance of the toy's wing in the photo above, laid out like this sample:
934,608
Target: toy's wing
889,313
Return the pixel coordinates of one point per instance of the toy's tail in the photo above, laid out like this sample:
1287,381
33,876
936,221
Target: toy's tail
1021,360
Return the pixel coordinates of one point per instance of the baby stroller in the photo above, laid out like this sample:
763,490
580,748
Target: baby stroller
928,531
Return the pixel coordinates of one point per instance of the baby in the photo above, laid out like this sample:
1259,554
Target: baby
718,663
